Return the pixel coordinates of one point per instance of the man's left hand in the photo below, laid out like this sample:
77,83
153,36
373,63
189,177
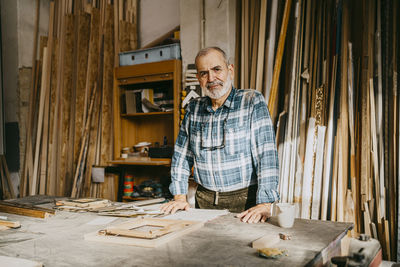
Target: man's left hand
258,213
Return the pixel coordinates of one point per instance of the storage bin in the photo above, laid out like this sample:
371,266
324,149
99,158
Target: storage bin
153,54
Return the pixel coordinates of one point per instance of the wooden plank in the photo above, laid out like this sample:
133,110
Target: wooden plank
81,73
10,224
25,210
365,113
254,43
7,176
354,185
306,197
333,216
83,147
34,181
329,146
45,140
51,178
92,73
273,99
188,226
106,112
65,176
271,49
375,150
296,168
343,165
28,164
317,183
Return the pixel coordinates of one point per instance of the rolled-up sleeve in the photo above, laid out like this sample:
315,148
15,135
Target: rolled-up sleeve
182,160
264,152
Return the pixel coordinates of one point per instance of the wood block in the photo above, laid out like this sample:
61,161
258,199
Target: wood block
25,210
10,224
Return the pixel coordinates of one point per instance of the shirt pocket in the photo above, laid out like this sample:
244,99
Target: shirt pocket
195,141
237,140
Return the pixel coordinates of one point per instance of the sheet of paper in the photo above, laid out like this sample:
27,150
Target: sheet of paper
102,220
200,215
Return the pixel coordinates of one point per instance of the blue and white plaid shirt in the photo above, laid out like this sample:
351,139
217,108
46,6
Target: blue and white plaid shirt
230,148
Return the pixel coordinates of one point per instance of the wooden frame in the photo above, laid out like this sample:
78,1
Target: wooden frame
128,233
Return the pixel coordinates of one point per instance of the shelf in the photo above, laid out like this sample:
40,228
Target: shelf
149,114
143,161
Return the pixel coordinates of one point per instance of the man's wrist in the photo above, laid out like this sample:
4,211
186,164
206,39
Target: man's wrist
181,198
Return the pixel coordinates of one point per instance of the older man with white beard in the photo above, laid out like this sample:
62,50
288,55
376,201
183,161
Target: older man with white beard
227,137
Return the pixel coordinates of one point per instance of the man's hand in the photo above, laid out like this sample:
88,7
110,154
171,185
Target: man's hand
258,213
179,203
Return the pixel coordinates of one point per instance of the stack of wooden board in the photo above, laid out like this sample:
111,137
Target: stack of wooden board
69,122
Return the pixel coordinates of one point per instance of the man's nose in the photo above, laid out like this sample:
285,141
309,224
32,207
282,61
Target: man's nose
211,76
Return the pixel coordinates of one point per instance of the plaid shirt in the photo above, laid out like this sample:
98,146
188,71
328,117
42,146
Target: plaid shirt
230,148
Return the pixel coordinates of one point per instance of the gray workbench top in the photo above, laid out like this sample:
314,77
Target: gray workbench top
225,241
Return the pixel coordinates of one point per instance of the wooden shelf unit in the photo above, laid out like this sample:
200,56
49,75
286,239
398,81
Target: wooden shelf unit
130,129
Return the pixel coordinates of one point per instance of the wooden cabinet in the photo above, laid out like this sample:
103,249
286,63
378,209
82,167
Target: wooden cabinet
164,78
130,129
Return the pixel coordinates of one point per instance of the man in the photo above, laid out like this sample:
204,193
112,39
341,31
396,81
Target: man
228,137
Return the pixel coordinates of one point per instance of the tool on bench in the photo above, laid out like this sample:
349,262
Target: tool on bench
364,251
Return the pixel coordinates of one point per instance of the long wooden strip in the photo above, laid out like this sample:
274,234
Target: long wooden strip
352,138
343,166
26,210
51,178
10,224
317,183
81,73
28,165
79,167
33,184
308,171
92,73
65,175
375,150
271,49
261,45
7,174
329,146
45,139
273,99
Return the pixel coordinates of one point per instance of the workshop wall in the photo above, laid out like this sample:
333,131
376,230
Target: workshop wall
17,30
218,25
156,18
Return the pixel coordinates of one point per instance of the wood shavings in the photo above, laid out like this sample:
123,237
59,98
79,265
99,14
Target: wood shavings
285,236
272,253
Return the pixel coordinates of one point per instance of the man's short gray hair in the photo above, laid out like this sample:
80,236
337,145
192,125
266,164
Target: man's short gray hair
207,50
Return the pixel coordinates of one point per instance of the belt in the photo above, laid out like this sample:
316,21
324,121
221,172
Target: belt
218,194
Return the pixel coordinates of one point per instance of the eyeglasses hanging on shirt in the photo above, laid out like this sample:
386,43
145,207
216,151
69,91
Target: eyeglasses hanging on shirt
209,144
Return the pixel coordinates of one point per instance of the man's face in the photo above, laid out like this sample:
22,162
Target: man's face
214,75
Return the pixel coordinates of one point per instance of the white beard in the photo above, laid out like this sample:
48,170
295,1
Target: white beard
218,93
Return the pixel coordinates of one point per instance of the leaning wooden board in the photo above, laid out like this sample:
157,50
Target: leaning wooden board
172,228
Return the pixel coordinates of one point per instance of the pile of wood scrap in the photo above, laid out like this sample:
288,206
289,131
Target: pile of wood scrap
69,123
25,209
4,225
82,204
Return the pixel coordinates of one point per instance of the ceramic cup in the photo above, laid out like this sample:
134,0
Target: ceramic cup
285,213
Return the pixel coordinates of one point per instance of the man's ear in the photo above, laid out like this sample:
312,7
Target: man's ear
231,70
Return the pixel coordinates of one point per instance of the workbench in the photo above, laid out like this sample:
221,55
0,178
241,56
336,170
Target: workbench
224,241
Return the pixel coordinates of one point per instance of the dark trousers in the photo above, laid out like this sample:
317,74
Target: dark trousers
234,201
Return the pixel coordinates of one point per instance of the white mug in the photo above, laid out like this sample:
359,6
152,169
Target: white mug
285,212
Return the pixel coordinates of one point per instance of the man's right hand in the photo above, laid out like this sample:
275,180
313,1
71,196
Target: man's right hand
179,203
